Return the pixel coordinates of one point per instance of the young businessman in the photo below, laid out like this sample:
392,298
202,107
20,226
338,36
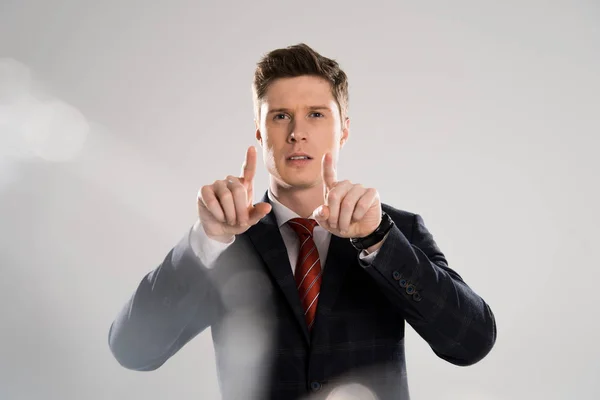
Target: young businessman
312,286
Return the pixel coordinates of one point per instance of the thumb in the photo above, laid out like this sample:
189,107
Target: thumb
321,214
259,211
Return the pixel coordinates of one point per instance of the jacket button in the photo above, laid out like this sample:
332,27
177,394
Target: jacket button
410,289
315,386
417,297
402,283
396,275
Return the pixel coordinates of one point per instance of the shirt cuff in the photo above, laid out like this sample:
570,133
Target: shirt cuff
366,259
205,248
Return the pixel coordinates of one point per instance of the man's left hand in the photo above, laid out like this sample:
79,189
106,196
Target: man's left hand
350,210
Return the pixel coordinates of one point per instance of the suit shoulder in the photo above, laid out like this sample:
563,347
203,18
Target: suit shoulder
397,214
403,219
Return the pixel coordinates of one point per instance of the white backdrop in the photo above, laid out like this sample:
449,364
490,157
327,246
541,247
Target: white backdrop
483,117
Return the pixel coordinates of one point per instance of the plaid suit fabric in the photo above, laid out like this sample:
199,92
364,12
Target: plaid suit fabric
358,335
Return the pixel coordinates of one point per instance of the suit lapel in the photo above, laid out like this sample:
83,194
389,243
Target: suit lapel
267,240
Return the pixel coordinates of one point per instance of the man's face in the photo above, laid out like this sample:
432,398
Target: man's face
299,115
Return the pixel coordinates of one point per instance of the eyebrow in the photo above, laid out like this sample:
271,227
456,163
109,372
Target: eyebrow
282,109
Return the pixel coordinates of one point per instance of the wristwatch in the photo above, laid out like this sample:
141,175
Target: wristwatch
377,236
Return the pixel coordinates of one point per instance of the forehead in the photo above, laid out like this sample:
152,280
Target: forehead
301,91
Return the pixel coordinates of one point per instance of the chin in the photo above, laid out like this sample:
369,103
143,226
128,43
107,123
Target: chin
297,182
302,183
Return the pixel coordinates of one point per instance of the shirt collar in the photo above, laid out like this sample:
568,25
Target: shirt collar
282,213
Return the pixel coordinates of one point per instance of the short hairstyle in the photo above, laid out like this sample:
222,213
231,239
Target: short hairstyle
299,60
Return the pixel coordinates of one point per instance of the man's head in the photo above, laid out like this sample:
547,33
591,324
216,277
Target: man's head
301,106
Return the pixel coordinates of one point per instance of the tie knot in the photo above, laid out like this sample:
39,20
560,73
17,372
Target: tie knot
302,226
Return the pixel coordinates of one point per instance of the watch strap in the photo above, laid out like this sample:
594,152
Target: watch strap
376,236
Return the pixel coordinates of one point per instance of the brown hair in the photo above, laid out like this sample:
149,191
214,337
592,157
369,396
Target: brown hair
298,60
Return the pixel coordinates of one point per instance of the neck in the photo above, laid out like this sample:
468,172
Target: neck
302,201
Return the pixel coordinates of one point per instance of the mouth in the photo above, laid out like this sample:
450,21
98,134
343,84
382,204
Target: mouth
299,157
298,160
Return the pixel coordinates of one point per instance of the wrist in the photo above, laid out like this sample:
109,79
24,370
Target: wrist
221,239
376,246
375,238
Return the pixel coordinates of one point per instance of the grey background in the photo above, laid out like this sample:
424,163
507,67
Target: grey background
481,116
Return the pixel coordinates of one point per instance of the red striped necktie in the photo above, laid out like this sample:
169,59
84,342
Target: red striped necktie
308,268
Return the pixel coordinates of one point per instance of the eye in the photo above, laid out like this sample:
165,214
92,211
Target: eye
279,116
316,114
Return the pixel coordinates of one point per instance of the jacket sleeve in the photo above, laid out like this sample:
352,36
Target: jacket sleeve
171,305
413,273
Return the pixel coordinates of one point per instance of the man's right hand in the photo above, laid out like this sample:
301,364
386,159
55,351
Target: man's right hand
225,207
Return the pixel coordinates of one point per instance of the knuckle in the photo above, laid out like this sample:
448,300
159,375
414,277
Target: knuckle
364,202
361,205
225,195
238,190
347,203
212,204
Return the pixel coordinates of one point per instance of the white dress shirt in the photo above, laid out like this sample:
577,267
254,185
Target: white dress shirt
208,250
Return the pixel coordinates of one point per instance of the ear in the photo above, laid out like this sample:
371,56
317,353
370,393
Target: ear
345,132
257,133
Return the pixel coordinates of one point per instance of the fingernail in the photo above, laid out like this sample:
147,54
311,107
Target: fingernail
321,211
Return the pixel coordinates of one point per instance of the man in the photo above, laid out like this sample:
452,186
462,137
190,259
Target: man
311,287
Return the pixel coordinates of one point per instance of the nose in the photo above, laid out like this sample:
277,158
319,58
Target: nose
297,133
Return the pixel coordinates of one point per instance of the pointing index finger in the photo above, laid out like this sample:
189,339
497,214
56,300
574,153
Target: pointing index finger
249,166
329,176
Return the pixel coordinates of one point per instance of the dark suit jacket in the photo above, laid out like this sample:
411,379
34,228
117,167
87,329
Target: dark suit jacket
263,348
